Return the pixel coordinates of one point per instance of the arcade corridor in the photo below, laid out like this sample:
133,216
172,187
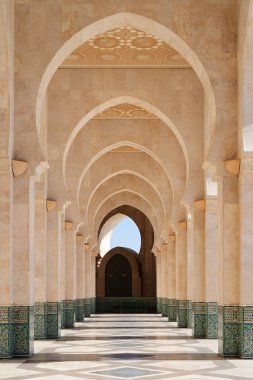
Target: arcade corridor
139,346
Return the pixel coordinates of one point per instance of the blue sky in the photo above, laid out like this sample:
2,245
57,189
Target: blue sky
126,234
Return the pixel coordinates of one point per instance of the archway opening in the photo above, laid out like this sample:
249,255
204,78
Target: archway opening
119,231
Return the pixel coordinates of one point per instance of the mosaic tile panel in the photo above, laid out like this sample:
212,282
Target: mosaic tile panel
212,320
6,332
93,305
68,314
189,314
159,305
228,330
246,332
87,307
40,320
23,318
172,310
182,313
62,315
53,321
126,305
199,319
79,310
164,307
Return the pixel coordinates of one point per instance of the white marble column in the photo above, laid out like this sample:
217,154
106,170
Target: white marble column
87,278
172,312
228,264
80,287
181,273
53,305
164,278
211,267
70,275
93,281
246,255
158,280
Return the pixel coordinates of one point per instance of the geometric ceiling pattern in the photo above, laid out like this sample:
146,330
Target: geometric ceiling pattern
125,46
125,111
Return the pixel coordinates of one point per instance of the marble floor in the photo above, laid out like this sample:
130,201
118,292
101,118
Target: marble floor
139,346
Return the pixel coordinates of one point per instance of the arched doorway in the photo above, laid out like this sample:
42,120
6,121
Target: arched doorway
118,277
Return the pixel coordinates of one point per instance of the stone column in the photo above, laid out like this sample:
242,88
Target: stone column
158,280
198,273
172,302
164,270
93,282
80,288
87,278
211,267
61,219
53,305
246,257
228,263
40,253
181,274
70,279
6,259
190,267
23,264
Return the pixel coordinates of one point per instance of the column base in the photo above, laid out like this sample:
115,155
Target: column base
172,310
23,317
164,307
53,321
6,332
93,305
159,305
189,314
228,330
246,332
211,320
68,314
182,313
87,307
40,320
79,310
199,319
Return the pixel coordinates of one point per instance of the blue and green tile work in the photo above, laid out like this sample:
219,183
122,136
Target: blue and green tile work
164,310
199,319
87,307
189,314
79,310
93,305
23,331
228,330
182,313
159,304
246,331
53,320
68,314
6,332
211,320
172,310
40,320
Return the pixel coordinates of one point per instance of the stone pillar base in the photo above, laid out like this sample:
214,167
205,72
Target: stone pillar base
182,313
172,310
164,307
40,320
93,305
189,314
159,305
228,330
68,314
6,332
79,310
23,317
87,307
246,332
53,322
199,319
211,320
